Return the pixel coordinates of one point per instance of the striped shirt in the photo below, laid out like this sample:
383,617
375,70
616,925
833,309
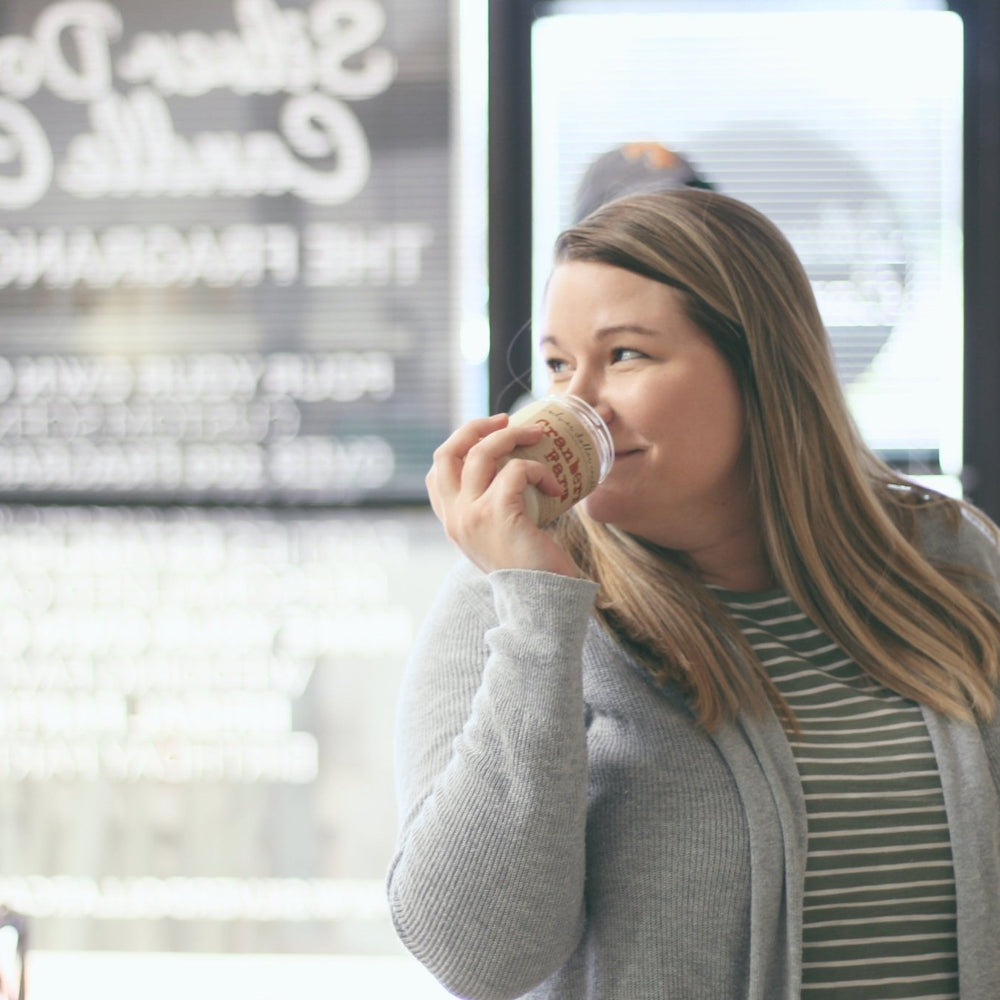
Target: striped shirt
879,905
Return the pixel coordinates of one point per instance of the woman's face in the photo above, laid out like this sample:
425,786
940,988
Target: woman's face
624,343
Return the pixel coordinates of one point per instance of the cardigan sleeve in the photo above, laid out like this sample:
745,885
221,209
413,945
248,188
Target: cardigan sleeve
486,886
971,544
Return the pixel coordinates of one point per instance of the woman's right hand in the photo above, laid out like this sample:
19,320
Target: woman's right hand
479,498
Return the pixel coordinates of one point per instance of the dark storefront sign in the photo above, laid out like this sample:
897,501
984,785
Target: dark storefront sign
225,305
224,249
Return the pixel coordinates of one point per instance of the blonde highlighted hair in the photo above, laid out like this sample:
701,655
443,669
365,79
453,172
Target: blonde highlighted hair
840,528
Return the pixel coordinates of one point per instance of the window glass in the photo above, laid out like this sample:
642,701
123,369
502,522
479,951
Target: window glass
228,292
843,126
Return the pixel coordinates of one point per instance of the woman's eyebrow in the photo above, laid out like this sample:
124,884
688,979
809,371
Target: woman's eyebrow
607,331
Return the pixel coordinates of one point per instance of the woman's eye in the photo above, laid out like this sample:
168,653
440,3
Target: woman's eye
555,365
626,354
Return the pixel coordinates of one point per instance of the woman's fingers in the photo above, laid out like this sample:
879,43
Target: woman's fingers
449,456
473,477
493,452
476,490
521,472
444,478
467,462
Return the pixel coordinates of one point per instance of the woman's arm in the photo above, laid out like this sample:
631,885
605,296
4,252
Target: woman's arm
486,888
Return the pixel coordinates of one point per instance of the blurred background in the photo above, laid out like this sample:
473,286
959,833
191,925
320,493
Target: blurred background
257,259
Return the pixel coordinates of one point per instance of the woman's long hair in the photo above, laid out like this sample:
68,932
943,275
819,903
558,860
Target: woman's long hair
840,528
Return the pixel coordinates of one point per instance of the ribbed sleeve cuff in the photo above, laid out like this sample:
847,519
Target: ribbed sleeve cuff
533,599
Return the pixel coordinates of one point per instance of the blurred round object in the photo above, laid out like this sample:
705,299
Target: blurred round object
844,218
634,168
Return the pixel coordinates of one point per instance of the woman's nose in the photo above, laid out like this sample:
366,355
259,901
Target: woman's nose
591,392
604,410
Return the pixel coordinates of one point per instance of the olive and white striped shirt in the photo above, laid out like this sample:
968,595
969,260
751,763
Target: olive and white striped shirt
879,906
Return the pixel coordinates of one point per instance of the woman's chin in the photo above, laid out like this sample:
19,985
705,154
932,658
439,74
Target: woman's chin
603,509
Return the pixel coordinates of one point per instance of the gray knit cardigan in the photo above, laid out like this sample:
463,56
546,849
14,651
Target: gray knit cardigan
568,832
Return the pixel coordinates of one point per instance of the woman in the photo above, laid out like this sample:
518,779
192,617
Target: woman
729,729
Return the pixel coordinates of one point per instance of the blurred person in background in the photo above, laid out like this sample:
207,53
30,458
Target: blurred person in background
634,168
